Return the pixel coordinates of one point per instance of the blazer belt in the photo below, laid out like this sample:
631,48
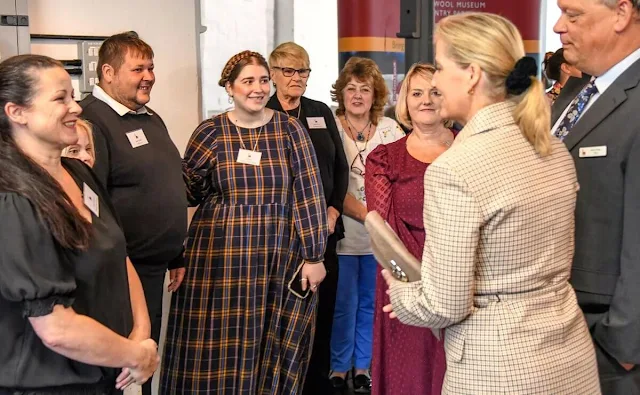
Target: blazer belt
549,291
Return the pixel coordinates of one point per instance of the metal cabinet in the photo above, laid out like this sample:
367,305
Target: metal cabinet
14,28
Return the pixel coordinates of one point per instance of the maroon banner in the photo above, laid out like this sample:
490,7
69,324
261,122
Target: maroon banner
525,14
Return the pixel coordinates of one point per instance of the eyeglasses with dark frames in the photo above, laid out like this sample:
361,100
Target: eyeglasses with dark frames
355,169
289,72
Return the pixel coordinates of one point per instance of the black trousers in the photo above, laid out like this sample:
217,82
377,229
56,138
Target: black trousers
317,379
153,284
614,379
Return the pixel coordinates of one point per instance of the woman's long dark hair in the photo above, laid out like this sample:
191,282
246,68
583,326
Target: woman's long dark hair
19,78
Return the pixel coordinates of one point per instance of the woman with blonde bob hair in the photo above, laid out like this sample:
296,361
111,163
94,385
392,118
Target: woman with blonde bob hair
83,149
394,185
499,222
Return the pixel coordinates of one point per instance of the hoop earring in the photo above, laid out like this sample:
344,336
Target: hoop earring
230,99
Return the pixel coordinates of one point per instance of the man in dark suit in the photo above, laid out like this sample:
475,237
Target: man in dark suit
598,118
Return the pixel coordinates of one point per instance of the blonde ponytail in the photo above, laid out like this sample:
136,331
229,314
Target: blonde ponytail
494,43
533,116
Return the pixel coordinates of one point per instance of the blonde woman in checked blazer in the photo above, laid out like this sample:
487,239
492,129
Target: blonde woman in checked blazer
499,220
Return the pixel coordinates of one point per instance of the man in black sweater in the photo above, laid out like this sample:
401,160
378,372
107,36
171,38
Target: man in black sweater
140,167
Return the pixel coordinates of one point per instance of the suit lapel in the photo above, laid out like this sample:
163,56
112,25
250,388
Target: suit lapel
601,109
605,105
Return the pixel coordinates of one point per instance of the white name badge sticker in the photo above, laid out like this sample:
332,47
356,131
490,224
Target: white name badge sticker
249,157
91,200
593,152
316,123
137,138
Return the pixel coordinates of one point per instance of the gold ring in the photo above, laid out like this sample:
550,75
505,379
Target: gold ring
303,279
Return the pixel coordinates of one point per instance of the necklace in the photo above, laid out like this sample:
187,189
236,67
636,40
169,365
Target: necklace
360,135
446,142
299,110
255,146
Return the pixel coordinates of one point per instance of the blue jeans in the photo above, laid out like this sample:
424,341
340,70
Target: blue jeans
352,334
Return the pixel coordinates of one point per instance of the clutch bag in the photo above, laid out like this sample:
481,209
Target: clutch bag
389,250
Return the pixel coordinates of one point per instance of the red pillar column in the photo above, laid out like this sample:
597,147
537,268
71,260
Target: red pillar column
367,28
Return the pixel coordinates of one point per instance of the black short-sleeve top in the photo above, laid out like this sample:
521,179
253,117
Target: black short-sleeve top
36,273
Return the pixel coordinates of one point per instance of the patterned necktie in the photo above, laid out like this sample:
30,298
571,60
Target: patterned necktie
575,110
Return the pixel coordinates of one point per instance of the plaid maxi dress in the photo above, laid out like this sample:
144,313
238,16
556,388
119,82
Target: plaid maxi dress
234,327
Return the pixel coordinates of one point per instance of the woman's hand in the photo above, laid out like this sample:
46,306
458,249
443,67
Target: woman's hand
312,275
175,278
147,363
332,216
388,278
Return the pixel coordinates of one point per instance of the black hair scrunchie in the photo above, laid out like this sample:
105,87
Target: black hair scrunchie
519,79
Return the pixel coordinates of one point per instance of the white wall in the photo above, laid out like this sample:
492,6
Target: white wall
316,29
232,26
249,24
169,26
552,40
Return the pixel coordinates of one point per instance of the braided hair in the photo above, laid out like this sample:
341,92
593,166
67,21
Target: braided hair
237,62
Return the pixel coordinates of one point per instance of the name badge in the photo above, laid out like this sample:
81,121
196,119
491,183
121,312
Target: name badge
91,200
316,123
249,157
593,152
137,138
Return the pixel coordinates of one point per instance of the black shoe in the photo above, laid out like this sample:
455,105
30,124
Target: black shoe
362,384
338,384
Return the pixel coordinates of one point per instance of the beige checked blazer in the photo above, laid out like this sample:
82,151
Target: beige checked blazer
500,227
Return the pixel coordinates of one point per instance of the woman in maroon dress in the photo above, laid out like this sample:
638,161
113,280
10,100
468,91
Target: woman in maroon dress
406,360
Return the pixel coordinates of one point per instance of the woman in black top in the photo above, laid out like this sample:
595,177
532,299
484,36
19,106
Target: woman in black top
69,298
289,64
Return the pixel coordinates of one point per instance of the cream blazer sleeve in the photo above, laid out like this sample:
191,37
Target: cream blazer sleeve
453,220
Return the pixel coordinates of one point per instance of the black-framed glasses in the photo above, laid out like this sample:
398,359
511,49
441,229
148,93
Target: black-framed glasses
356,169
289,72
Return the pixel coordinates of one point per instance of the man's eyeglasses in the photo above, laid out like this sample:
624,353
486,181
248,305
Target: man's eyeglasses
289,72
357,170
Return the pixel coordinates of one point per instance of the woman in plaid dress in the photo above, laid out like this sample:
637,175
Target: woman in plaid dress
235,326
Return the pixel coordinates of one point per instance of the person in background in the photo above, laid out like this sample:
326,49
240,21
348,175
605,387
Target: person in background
290,70
546,82
499,222
394,186
74,318
139,166
599,122
390,112
361,94
83,149
558,70
255,248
